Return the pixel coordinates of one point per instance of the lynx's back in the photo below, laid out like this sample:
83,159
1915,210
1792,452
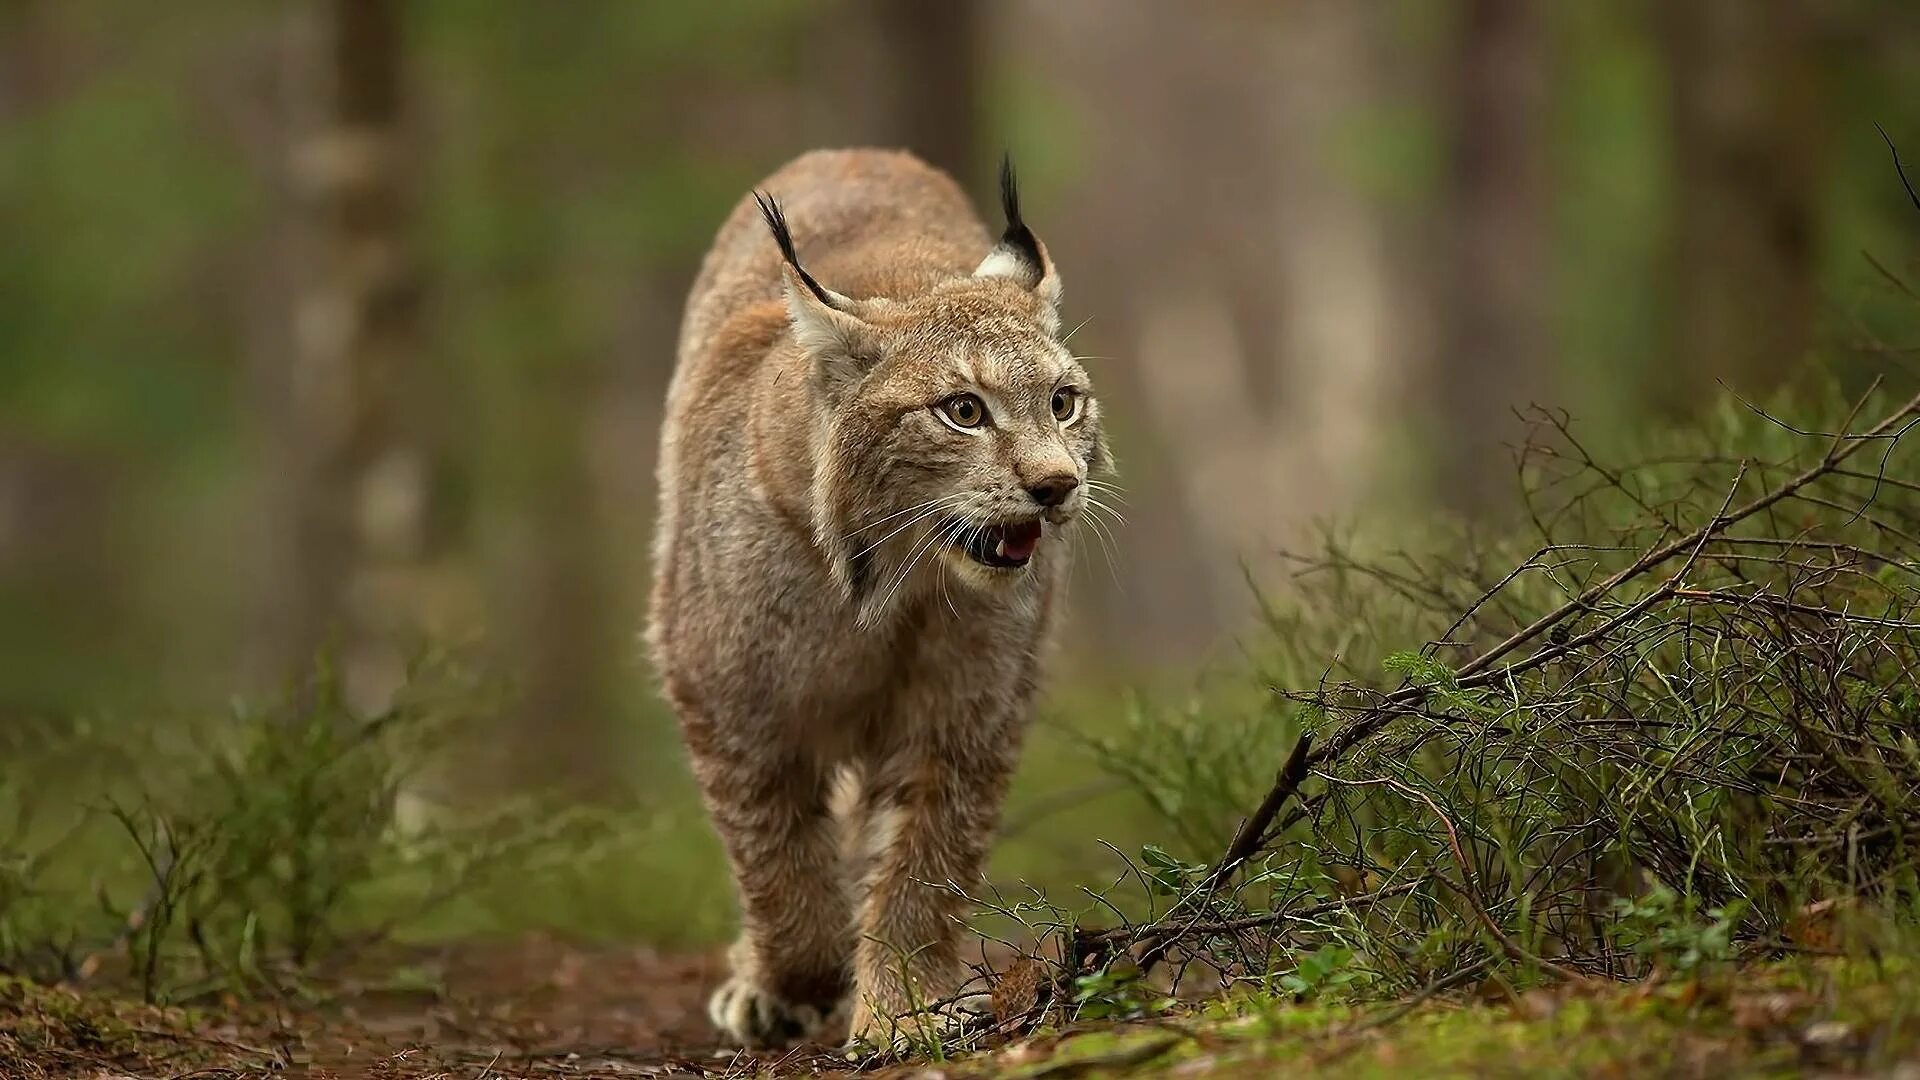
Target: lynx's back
876,223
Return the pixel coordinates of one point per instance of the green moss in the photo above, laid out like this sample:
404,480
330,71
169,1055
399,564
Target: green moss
50,1031
1782,1018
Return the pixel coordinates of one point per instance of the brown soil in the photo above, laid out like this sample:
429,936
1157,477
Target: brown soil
535,1008
540,1004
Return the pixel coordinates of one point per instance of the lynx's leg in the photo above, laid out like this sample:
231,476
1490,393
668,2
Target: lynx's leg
931,821
789,966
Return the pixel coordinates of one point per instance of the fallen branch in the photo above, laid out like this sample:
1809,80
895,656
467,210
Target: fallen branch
1247,841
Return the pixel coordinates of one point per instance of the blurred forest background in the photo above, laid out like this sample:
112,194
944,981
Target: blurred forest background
346,323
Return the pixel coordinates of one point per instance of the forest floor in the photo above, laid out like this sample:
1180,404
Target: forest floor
541,1008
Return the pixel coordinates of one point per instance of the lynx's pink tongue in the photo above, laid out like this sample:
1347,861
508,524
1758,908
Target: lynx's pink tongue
1018,541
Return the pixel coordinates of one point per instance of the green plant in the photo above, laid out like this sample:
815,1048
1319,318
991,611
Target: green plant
271,840
1324,970
44,925
1116,991
1169,876
1667,928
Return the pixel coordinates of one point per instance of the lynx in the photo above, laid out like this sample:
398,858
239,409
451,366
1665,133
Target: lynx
871,468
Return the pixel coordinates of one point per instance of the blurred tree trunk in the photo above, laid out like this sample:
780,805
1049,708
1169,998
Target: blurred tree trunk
902,75
1495,284
542,376
1342,342
563,732
553,610
358,511
931,57
24,56
1749,149
1245,283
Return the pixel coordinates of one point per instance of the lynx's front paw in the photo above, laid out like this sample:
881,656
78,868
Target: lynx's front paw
753,1016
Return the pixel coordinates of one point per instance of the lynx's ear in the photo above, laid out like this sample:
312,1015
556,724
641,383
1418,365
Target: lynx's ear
826,324
1019,256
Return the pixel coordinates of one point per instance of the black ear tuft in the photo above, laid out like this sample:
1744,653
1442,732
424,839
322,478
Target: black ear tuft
777,224
1017,237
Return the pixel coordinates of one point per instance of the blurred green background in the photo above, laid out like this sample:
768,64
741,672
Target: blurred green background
345,324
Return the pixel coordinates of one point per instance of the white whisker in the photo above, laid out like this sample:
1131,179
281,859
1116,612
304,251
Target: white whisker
1112,491
945,596
924,545
910,523
950,496
1115,516
1107,544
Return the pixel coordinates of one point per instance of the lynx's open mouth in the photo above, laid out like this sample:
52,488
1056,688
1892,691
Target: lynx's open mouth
1003,547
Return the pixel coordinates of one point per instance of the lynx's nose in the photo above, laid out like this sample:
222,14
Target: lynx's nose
1054,490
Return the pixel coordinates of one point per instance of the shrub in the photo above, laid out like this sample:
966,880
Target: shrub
1652,728
238,854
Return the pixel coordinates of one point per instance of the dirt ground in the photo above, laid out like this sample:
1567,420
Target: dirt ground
536,1008
541,1005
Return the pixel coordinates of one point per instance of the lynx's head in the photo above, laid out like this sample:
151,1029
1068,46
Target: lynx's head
953,429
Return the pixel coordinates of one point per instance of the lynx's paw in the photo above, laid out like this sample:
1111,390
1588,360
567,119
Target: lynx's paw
944,1027
752,1016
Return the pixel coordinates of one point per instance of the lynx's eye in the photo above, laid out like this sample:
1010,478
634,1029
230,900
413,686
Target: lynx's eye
964,411
1066,404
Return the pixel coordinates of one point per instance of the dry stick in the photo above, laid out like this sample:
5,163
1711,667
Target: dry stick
1850,550
1714,596
1885,481
1246,842
1898,167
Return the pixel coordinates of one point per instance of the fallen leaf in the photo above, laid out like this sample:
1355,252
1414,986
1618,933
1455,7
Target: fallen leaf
1017,991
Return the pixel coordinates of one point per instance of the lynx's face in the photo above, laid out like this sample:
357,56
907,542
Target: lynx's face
955,429
980,429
